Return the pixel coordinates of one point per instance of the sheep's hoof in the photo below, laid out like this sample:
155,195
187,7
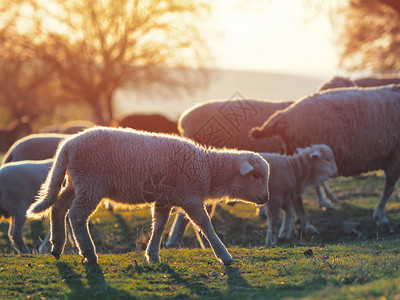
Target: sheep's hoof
56,255
90,262
228,262
327,208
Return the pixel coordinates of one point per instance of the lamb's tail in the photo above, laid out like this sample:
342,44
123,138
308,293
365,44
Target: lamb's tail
50,189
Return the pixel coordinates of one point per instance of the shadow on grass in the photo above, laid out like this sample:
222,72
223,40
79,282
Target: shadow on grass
235,280
96,287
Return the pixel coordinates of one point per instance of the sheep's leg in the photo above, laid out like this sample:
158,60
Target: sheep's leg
198,214
204,244
379,213
15,233
274,208
58,219
301,222
178,228
262,212
45,246
160,219
329,194
82,208
286,230
323,203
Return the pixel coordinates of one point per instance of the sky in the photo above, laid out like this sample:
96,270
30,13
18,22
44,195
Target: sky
276,35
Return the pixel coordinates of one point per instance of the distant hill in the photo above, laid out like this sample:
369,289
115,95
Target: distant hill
224,84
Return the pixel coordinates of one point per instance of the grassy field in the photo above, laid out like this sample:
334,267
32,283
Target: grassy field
350,258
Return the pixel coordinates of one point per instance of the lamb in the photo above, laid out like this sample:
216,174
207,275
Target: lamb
289,178
19,184
131,168
34,147
361,125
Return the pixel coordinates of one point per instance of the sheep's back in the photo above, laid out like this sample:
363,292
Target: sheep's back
127,162
360,125
228,123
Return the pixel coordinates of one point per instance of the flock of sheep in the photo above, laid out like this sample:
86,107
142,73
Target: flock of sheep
260,152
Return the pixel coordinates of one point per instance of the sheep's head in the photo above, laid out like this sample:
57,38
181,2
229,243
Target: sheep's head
250,183
322,161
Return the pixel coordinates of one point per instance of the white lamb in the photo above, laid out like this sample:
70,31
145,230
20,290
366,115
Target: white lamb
290,176
19,184
132,167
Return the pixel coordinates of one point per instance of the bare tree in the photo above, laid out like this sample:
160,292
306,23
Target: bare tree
97,47
24,82
370,35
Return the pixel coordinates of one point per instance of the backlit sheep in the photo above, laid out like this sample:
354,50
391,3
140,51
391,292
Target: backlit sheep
34,147
19,184
131,168
361,125
289,178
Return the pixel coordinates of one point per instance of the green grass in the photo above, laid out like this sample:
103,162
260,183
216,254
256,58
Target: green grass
351,258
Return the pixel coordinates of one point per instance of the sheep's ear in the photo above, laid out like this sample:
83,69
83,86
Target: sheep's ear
315,154
246,168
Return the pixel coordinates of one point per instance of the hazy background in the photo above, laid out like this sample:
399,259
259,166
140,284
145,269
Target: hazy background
275,50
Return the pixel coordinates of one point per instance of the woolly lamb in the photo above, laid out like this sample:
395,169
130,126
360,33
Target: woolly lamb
34,147
132,167
290,176
19,184
361,125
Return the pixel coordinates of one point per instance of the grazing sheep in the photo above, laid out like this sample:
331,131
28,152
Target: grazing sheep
289,178
361,125
70,127
13,132
132,167
151,123
19,184
34,147
336,82
377,80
